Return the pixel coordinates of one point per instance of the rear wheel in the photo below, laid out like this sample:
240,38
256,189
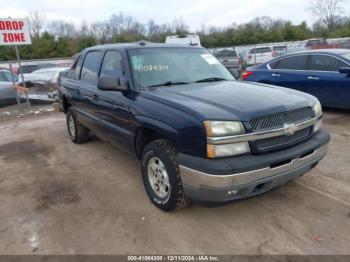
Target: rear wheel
161,176
77,133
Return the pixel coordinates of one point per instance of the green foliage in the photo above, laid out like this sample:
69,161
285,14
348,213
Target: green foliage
85,42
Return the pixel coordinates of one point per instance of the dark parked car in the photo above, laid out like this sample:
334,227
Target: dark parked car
198,133
231,60
322,73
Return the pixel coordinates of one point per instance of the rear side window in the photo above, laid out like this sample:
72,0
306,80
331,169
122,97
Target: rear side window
112,64
226,53
28,69
91,65
291,63
3,78
279,48
8,76
74,71
260,50
326,63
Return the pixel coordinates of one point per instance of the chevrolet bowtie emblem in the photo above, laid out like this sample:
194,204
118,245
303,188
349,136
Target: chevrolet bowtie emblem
289,129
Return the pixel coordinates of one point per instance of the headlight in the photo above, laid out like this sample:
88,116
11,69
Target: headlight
225,150
317,109
318,112
223,128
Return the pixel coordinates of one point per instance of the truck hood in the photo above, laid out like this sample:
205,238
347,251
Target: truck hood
229,100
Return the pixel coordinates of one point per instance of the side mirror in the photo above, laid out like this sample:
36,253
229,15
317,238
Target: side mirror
344,70
110,83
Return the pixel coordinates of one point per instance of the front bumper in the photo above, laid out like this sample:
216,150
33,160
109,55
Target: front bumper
220,180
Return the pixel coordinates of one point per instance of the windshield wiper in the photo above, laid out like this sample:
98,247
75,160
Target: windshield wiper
212,79
169,83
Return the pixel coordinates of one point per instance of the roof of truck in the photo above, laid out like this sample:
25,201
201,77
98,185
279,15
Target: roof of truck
140,44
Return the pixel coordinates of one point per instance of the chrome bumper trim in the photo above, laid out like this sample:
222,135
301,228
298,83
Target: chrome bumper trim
261,135
197,179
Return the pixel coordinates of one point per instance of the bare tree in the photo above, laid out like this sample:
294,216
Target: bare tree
263,22
99,30
83,30
179,26
328,11
63,29
36,20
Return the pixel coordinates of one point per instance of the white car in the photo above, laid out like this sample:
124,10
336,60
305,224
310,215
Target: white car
259,55
192,40
43,79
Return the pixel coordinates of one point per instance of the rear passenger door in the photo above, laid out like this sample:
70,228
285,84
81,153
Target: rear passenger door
88,89
112,107
70,83
326,83
290,72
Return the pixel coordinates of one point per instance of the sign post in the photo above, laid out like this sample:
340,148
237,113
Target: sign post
15,32
14,84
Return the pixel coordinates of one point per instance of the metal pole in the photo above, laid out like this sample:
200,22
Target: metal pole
14,84
254,54
21,72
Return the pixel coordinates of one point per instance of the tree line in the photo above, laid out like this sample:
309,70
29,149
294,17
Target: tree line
64,39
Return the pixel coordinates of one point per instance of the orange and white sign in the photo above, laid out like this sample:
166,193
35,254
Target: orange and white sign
14,32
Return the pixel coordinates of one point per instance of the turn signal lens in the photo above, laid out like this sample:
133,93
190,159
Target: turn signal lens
246,74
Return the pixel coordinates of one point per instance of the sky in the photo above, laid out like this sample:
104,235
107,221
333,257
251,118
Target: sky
192,12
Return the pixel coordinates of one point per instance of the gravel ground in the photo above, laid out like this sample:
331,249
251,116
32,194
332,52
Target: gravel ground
62,198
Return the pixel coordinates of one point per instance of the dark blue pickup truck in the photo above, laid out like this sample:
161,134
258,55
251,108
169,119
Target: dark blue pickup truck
199,134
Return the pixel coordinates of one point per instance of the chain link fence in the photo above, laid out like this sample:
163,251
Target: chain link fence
35,90
255,54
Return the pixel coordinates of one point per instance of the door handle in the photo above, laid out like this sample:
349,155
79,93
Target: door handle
95,98
313,78
77,92
274,74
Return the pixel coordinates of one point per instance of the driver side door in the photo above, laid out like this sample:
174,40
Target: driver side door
112,107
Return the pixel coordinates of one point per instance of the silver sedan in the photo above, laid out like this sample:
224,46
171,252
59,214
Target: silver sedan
7,92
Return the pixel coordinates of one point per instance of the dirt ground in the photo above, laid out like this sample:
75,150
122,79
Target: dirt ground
62,198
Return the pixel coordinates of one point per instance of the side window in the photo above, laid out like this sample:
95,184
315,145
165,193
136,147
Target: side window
326,63
8,76
291,63
260,50
89,71
112,64
74,71
3,78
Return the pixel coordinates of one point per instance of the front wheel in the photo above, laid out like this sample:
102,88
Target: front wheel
161,176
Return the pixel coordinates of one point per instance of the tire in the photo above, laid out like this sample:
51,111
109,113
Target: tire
77,133
161,155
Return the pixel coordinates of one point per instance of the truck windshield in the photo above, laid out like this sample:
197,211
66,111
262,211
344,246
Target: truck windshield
175,66
346,55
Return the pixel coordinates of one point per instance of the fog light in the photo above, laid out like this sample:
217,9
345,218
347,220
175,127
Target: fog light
232,192
317,126
225,150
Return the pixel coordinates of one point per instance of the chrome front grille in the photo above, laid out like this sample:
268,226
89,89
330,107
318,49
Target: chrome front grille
272,143
278,120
